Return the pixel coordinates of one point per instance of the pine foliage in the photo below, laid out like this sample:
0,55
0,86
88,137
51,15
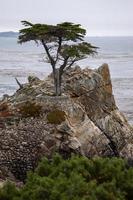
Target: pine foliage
77,178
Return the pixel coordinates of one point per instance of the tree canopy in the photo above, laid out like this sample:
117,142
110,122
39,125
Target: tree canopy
63,43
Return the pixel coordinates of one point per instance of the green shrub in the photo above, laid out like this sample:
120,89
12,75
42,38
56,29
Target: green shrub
30,109
9,192
56,116
78,178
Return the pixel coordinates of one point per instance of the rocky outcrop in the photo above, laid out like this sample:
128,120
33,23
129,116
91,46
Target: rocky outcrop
95,93
84,120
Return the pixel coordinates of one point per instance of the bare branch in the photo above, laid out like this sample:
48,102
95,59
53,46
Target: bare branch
72,62
48,54
59,49
20,85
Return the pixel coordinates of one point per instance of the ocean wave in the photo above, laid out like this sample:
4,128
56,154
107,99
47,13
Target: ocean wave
19,72
113,56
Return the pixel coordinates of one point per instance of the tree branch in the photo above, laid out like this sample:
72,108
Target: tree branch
58,50
62,67
72,62
20,85
52,61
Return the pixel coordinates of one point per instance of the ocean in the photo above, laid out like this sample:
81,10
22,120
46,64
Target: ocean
29,59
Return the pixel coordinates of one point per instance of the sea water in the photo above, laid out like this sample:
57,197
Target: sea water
29,59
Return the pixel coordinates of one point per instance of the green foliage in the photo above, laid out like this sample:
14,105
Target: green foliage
63,43
56,116
78,178
30,109
49,33
78,51
55,38
9,192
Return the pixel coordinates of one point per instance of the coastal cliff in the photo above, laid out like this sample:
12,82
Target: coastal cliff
84,120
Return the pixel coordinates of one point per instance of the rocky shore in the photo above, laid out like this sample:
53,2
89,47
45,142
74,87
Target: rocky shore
84,120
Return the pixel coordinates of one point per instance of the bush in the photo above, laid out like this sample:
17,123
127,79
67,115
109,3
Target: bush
5,110
78,178
30,109
9,192
56,116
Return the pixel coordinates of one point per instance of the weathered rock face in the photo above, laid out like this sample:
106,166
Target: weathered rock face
95,94
93,125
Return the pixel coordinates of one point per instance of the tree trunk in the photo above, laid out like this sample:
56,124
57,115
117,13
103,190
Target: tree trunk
57,82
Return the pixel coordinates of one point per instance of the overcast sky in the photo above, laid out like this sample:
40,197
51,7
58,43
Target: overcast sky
99,17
